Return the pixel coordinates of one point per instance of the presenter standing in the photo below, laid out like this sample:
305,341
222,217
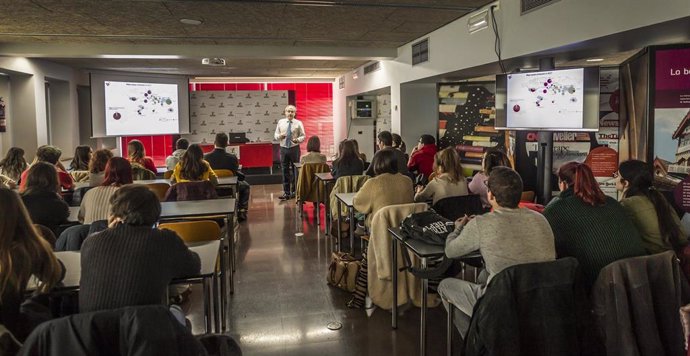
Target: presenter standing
290,133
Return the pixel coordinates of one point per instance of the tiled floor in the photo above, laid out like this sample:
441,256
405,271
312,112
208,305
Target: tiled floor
282,304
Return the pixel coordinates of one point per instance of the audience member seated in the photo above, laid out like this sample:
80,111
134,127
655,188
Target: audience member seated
655,219
588,225
80,161
132,262
422,156
361,155
95,204
348,162
99,160
13,164
385,142
313,152
449,181
492,158
388,187
181,147
41,196
399,144
507,236
50,154
193,168
23,254
136,153
220,159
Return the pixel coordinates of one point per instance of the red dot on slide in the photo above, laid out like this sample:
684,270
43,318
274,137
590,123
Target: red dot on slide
117,116
516,108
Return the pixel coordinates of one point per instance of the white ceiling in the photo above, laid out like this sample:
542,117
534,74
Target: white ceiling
269,38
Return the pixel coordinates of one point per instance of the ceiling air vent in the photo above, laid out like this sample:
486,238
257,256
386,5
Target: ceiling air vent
420,51
372,67
531,5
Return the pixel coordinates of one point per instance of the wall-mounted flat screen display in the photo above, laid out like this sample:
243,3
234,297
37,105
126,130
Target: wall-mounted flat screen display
555,100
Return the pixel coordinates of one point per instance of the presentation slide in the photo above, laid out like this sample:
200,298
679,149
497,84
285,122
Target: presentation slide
141,108
547,100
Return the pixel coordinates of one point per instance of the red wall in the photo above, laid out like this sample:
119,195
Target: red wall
314,102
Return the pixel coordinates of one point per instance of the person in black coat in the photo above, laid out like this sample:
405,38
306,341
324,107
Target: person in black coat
219,159
348,162
42,199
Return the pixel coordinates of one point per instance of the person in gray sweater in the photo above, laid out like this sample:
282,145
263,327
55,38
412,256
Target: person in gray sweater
132,262
506,237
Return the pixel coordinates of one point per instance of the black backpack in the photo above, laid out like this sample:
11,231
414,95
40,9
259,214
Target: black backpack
427,226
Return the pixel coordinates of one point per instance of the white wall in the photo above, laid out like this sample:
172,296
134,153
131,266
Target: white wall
564,22
27,114
5,94
418,112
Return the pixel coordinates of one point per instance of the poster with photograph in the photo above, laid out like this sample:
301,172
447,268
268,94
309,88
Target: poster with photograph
671,115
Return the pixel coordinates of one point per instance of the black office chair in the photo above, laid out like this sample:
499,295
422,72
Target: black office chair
453,208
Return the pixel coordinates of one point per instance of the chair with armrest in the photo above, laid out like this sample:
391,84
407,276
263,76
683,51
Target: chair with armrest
159,189
453,208
195,232
221,173
308,187
167,174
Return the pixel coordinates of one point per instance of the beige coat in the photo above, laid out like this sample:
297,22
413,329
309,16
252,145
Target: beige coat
345,184
383,190
379,278
308,187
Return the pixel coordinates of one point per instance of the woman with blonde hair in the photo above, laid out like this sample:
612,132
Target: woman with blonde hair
136,153
23,253
13,164
449,181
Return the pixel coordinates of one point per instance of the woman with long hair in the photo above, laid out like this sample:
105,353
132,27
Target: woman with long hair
398,143
588,225
492,158
13,164
653,216
82,156
23,253
41,196
348,162
99,160
136,153
313,151
449,181
193,168
95,204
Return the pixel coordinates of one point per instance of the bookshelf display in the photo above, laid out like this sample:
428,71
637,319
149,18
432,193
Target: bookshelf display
466,121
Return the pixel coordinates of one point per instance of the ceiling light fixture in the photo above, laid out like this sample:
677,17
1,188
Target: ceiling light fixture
478,21
595,60
193,22
139,56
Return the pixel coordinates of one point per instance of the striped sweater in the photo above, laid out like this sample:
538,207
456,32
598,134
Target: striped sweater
131,265
96,204
595,235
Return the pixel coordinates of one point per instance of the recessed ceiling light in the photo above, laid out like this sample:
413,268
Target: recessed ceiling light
595,60
191,22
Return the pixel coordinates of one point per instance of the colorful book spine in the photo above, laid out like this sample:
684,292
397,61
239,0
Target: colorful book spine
484,144
468,148
474,154
488,129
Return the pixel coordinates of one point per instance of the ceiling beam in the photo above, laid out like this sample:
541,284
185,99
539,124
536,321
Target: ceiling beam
326,3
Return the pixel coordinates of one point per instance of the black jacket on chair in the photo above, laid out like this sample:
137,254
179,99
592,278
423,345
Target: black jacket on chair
135,331
533,309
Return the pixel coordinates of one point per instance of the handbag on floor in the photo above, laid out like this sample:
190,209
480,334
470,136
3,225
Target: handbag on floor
342,271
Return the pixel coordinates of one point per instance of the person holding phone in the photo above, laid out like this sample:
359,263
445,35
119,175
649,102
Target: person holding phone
290,133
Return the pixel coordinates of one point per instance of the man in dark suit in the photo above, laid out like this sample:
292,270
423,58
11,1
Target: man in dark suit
219,159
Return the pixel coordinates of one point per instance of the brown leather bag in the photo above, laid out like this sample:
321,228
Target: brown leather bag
342,272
